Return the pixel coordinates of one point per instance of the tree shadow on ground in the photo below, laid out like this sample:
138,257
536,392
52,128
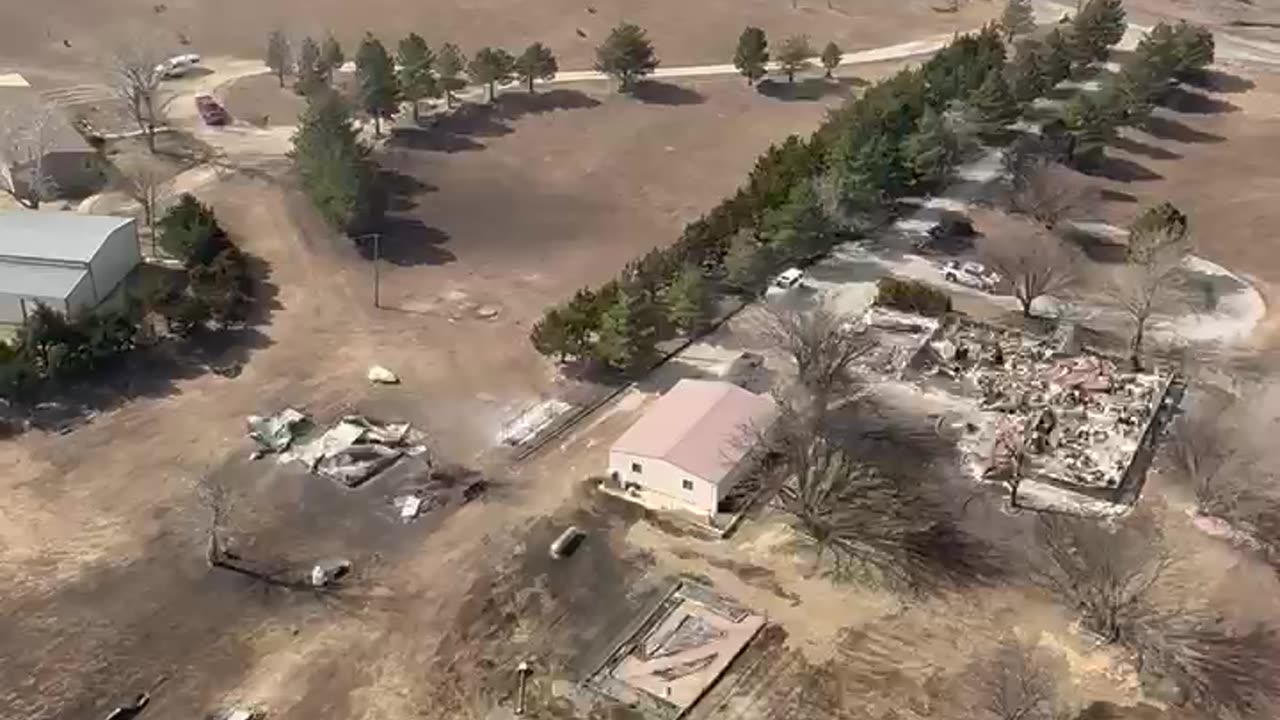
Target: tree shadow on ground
431,140
454,131
1137,147
1109,195
1097,248
1202,292
1192,102
1164,128
1122,170
513,106
903,443
1220,82
406,242
472,120
654,92
402,189
155,371
808,89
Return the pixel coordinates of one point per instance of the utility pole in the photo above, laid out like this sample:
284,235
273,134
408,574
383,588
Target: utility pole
523,670
377,271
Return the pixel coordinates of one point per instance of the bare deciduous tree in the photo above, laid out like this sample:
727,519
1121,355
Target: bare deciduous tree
869,525
1048,192
144,182
1033,261
1017,682
1009,451
137,81
824,345
1220,449
1104,573
1221,670
1147,283
217,500
1203,443
25,140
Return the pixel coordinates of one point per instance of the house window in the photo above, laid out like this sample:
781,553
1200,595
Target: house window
635,468
687,484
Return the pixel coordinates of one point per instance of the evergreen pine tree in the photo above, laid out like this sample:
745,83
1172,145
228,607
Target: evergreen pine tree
491,67
1096,28
831,57
625,340
416,73
449,67
626,55
993,104
550,335
686,299
1195,48
744,263
1028,78
379,89
932,150
331,58
536,63
793,56
1093,127
874,170
1057,58
1018,18
332,163
309,73
800,228
279,56
752,54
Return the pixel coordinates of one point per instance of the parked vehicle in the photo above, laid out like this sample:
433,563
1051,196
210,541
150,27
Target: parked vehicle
178,66
211,112
953,233
788,279
970,274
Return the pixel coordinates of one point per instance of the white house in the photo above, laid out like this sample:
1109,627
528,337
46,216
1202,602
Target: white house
692,445
62,259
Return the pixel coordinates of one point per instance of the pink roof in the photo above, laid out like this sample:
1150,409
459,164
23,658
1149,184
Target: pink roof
703,427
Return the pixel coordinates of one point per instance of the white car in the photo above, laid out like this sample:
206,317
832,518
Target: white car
178,66
970,274
787,279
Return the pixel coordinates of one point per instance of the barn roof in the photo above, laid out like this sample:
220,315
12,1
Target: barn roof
54,236
704,427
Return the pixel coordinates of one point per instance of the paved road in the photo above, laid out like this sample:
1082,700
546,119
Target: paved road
1229,48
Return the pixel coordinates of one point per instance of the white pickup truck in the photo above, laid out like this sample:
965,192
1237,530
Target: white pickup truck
178,66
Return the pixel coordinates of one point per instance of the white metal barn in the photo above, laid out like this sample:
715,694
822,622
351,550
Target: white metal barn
61,259
692,445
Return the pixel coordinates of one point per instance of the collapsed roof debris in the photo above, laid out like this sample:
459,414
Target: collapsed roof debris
896,339
669,657
275,433
351,452
1073,420
358,448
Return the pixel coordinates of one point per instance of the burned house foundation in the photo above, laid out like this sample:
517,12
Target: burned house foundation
1061,427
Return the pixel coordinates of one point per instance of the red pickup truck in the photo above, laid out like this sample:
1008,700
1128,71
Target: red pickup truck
210,111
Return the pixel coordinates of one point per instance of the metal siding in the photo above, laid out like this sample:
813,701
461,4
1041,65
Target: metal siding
10,309
662,477
113,261
81,296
